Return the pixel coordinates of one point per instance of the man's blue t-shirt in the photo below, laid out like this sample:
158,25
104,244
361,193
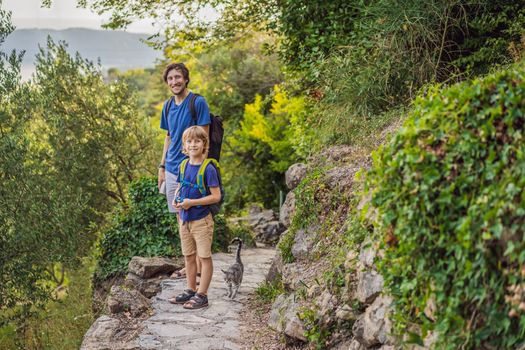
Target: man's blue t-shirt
211,179
177,119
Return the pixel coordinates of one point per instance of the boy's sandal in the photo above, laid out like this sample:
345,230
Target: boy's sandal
183,297
198,301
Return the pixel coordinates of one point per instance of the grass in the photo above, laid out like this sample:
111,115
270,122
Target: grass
62,324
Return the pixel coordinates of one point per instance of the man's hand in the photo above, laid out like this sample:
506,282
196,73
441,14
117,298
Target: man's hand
161,177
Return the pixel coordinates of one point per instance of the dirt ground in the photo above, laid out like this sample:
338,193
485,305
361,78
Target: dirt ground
255,332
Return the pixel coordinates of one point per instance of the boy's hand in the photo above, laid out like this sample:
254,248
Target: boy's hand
186,204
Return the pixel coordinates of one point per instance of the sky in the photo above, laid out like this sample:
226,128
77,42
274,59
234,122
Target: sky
62,14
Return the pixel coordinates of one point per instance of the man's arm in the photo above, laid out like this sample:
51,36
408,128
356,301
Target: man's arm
162,171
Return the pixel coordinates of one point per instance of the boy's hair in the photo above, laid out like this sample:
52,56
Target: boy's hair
195,132
177,66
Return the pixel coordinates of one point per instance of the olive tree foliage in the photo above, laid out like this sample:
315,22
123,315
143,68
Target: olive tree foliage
19,246
69,145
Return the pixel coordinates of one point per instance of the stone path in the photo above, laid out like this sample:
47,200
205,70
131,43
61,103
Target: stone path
215,327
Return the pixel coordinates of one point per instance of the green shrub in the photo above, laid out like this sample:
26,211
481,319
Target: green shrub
145,228
449,190
222,234
245,233
267,292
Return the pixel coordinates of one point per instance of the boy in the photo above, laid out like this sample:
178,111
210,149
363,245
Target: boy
195,219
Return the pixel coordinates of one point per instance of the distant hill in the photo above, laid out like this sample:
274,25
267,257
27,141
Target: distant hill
117,49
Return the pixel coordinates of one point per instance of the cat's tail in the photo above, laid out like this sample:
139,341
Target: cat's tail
239,246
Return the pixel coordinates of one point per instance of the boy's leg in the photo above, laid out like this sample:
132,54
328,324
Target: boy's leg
206,274
202,231
203,234
191,271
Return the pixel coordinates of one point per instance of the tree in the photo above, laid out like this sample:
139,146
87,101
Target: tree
69,145
19,246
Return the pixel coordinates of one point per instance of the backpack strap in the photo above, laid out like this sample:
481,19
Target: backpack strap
166,108
200,175
193,111
182,169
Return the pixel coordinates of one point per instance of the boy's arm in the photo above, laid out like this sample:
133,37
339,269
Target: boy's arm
213,197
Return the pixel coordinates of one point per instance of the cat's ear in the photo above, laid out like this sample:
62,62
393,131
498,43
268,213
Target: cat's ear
225,272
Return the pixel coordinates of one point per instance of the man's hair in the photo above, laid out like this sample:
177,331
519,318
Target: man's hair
177,66
195,132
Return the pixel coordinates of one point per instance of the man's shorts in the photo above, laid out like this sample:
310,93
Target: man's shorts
196,236
171,186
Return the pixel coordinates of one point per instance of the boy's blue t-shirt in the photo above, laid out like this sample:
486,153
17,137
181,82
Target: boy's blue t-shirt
175,121
211,179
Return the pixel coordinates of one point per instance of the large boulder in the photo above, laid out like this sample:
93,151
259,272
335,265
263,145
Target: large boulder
109,333
122,299
266,225
149,267
369,286
303,242
341,177
147,287
373,328
295,174
292,276
283,317
287,209
276,268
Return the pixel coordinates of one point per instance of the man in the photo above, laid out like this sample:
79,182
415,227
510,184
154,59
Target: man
176,117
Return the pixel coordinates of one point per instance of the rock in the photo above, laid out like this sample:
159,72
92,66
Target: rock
266,226
147,287
292,276
371,212
314,291
373,327
259,216
123,299
103,334
350,260
346,313
350,344
149,267
295,174
341,177
327,303
276,319
276,269
367,254
430,308
303,243
369,285
343,154
294,327
355,345
287,210
283,317
269,233
431,339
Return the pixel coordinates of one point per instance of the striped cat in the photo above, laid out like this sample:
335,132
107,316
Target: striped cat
233,276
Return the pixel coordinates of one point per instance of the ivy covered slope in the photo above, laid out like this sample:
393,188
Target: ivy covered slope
449,192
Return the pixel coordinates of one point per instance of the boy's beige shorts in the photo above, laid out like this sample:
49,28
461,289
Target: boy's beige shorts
196,236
